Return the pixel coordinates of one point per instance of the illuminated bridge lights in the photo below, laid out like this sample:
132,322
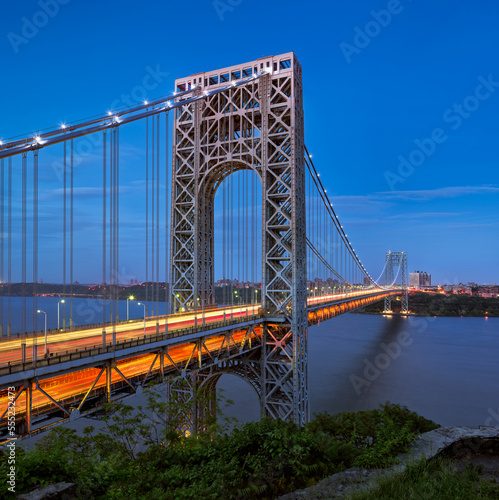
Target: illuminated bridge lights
86,388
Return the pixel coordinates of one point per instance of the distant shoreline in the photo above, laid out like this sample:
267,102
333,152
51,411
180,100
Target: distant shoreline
445,306
425,315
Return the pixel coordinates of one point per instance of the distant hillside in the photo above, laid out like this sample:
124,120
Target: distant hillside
137,291
427,304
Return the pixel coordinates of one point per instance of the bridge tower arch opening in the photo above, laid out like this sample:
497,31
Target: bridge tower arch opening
260,124
231,233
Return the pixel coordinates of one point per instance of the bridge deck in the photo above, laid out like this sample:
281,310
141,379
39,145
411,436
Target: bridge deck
188,343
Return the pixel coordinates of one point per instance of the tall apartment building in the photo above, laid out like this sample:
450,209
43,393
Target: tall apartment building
419,278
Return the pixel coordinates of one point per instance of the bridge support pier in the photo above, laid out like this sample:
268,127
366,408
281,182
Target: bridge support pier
109,374
191,406
284,374
394,259
29,401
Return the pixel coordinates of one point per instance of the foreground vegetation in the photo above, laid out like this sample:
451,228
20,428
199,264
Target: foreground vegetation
255,460
437,479
428,304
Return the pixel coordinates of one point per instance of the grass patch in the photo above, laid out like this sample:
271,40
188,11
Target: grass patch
437,479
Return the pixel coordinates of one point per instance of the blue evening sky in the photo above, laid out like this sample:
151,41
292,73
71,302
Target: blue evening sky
430,71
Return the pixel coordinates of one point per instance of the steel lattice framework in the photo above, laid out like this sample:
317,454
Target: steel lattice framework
396,259
256,126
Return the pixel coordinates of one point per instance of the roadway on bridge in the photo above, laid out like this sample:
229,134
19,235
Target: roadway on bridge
72,386
69,388
71,341
60,343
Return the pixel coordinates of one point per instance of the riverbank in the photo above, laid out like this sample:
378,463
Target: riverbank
425,304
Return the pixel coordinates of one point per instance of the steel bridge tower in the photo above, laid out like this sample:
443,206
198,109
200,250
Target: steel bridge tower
256,126
392,260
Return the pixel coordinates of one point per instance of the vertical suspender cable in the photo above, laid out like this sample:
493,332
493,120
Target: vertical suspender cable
117,250
254,247
104,222
226,208
157,220
116,180
335,248
152,212
309,221
115,277
231,192
241,205
2,239
115,195
113,230
224,238
253,221
71,214
113,166
246,221
231,232
64,241
147,211
167,152
253,232
111,226
23,270
35,237
9,253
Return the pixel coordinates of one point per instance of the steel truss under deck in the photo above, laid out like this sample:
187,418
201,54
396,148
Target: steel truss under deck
236,348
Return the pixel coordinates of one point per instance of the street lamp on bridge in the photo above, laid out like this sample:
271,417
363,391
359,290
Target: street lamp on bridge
144,306
58,303
127,307
43,312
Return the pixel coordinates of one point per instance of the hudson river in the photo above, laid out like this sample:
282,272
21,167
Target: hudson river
446,369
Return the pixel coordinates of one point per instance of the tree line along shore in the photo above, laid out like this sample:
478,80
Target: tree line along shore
438,304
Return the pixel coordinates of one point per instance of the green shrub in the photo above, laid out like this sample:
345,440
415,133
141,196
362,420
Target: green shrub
256,460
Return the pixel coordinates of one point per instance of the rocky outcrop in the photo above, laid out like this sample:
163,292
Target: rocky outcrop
447,441
59,491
